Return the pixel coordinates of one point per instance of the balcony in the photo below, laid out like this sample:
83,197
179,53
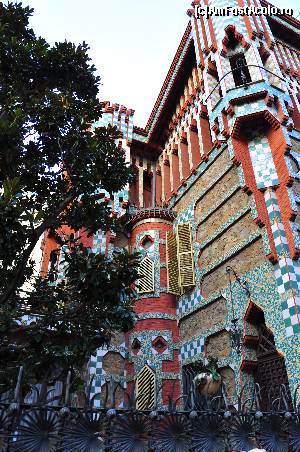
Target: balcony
139,214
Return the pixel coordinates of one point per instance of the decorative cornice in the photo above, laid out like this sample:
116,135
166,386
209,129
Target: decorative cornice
289,19
152,213
167,85
168,80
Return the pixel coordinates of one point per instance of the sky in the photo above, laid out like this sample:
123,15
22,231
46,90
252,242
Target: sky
132,43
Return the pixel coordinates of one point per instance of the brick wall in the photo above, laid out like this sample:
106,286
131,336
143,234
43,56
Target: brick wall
200,321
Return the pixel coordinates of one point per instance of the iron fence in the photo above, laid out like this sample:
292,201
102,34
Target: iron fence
51,420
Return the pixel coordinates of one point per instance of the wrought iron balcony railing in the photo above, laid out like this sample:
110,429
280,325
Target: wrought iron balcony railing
136,214
246,84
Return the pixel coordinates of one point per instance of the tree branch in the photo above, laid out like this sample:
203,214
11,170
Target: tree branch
27,253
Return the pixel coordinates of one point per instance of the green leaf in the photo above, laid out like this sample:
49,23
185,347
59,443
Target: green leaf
39,216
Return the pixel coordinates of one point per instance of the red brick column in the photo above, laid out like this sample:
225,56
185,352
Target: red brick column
167,178
158,192
184,153
194,142
205,130
134,188
175,168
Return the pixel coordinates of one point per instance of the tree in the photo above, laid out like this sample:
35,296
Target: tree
51,163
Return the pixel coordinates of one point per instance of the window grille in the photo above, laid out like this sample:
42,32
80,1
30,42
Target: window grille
240,69
145,389
185,255
172,265
146,271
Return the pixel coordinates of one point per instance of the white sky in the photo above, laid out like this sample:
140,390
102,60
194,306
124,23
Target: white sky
132,42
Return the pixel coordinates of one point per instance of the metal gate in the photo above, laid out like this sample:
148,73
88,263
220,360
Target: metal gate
55,424
271,371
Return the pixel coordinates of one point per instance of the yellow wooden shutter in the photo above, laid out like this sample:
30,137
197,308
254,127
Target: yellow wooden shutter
145,389
172,264
185,255
146,269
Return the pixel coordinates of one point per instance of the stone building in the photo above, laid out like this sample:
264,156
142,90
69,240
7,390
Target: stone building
214,210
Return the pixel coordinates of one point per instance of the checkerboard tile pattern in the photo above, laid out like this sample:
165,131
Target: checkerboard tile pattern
191,349
291,316
257,106
287,273
189,301
251,107
286,276
107,118
184,217
120,117
130,129
123,125
99,242
96,369
277,226
210,82
262,161
119,197
280,239
294,198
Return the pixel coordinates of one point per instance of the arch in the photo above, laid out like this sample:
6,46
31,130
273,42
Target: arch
269,369
254,313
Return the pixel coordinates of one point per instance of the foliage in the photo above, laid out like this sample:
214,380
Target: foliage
210,366
51,163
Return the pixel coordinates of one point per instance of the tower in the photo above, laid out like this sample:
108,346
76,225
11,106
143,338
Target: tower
154,341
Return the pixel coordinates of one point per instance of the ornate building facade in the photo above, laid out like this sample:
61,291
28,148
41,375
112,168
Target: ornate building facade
214,211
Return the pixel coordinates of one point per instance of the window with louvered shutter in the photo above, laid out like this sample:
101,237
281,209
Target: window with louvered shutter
146,270
172,264
185,255
145,389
